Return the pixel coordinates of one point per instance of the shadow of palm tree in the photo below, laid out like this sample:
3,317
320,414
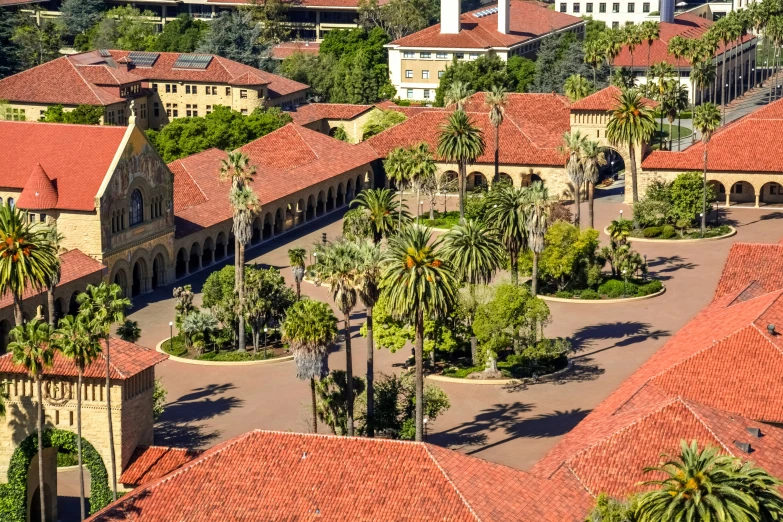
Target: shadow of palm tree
493,418
200,410
205,391
627,333
185,435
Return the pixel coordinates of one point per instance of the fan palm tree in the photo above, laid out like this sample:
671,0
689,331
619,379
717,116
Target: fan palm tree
594,55
369,291
337,266
676,99
398,168
577,87
619,230
27,257
507,214
702,73
612,43
379,208
706,120
537,224
496,100
237,169
592,159
418,283
473,251
296,257
457,94
649,30
631,124
462,143
573,143
245,207
54,238
423,170
31,347
103,306
310,328
723,33
633,38
74,340
664,72
698,485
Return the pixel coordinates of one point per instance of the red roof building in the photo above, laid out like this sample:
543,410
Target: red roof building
604,100
288,476
752,263
150,463
283,50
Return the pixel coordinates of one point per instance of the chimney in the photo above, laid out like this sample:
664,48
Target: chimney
667,11
124,63
503,14
449,16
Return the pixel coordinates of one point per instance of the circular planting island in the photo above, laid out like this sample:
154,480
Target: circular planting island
668,234
177,351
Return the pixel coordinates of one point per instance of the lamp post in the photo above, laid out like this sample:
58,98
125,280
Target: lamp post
426,419
171,336
625,280
421,209
644,273
265,330
323,238
621,214
701,217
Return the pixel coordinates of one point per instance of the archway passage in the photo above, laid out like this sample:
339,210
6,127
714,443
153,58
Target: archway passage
279,222
121,279
139,274
158,271
310,212
207,254
195,258
330,200
181,268
476,180
268,226
35,503
771,193
220,247
340,196
321,205
615,165
741,192
73,304
505,178
256,237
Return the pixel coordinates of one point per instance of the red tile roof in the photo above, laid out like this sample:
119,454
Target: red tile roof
604,100
287,160
408,111
752,263
75,157
73,265
311,112
39,192
529,135
302,3
686,25
740,146
527,20
127,359
283,50
150,463
289,476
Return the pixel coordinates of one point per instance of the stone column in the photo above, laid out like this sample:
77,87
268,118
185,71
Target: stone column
728,198
757,200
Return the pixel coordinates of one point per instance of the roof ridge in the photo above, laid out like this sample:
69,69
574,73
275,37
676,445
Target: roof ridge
88,84
754,325
307,144
704,423
569,468
185,169
451,482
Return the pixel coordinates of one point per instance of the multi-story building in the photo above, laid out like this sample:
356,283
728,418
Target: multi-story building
165,86
613,13
513,27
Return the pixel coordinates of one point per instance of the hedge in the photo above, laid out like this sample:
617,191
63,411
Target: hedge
13,496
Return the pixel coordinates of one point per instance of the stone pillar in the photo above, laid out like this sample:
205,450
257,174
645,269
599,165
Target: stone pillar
728,198
757,200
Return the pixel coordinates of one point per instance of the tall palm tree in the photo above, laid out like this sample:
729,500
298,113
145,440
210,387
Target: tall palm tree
103,306
423,170
664,72
649,30
699,485
633,38
398,168
418,283
237,169
496,99
368,289
631,124
706,120
457,94
612,43
679,47
537,224
27,257
573,143
507,213
774,32
722,31
702,74
379,208
296,256
31,347
577,87
462,143
337,266
74,340
245,207
594,55
310,328
592,158
473,251
55,239
675,100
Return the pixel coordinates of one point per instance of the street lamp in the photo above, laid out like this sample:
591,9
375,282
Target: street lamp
425,428
644,274
701,218
621,214
612,163
265,330
625,280
421,210
171,336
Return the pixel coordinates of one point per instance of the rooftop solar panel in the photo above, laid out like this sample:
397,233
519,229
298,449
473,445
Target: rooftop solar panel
105,53
142,59
193,61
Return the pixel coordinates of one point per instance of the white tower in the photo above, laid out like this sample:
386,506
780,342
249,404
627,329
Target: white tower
503,14
449,17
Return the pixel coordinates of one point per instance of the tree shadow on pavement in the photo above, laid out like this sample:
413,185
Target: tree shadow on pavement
474,432
200,410
184,435
581,370
209,389
626,333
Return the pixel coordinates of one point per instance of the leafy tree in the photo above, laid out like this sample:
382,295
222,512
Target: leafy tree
608,509
36,44
537,224
460,142
181,35
631,124
9,56
332,400
31,347
474,251
619,230
480,74
378,208
688,194
218,295
507,212
398,18
706,120
381,120
197,327
78,16
317,71
561,56
158,400
123,27
569,256
267,299
399,166
129,331
361,73
577,87
82,114
271,15
310,328
296,256
184,303
522,73
54,238
102,307
236,36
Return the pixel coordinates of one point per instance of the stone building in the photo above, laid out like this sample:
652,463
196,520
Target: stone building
132,383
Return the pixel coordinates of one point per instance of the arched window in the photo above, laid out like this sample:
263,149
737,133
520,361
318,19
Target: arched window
11,202
136,208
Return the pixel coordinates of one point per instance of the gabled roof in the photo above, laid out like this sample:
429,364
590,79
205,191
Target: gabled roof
127,360
289,476
527,20
530,134
345,4
604,100
751,263
39,193
150,463
283,50
311,112
76,158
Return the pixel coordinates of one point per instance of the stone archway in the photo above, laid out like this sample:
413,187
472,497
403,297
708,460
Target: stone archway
359,185
158,271
299,217
49,494
505,178
340,195
320,206
121,279
771,193
257,232
476,180
289,217
330,200
208,252
139,282
220,246
231,244
181,269
194,262
279,222
73,304
310,212
349,191
269,226
741,192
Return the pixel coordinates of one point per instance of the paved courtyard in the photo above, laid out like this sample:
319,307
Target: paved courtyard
512,426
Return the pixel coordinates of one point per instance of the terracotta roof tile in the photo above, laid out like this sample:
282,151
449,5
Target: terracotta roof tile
39,192
302,3
311,112
150,463
748,263
283,50
604,100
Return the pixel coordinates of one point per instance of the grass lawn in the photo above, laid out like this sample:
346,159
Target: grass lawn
683,133
442,220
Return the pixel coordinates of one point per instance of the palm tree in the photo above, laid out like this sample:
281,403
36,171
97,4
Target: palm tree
537,225
698,485
650,31
310,328
337,266
296,256
612,43
630,123
507,214
54,238
398,168
675,100
663,71
245,207
496,100
473,251
573,143
103,306
577,87
379,208
129,331
73,339
592,159
418,283
633,37
462,143
594,55
619,230
31,347
27,257
237,169
457,94
369,291
702,74
722,31
423,170
706,120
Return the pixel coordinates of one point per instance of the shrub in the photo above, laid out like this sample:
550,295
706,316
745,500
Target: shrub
233,356
564,294
651,232
177,347
649,212
668,232
546,356
649,288
614,288
589,294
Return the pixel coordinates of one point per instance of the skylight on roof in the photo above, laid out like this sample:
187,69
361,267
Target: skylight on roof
142,59
193,61
486,12
104,53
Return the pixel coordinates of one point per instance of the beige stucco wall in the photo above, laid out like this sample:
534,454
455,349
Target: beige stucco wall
555,178
34,111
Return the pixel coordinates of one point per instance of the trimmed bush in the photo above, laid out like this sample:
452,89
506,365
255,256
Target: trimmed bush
175,346
668,232
650,288
234,356
652,232
589,294
616,288
564,294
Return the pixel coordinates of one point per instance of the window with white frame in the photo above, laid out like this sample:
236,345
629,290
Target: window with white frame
409,73
425,75
410,93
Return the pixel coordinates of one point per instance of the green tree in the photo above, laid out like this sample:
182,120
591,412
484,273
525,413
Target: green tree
181,35
379,210
73,338
129,331
688,194
36,44
398,18
608,509
460,142
483,73
9,57
272,16
27,256
381,120
706,120
332,400
633,37
78,16
317,71
296,257
594,55
473,251
458,94
418,283
82,114
123,27
102,307
521,72
631,124
619,230
649,30
198,326
310,328
55,239
31,347
577,87
537,224
573,143
592,159
219,296
369,291
266,299
236,36
507,211
245,207
496,99
568,256
399,166
423,170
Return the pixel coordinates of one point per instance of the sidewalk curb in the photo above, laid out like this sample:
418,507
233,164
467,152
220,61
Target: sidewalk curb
504,382
731,233
276,360
601,301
